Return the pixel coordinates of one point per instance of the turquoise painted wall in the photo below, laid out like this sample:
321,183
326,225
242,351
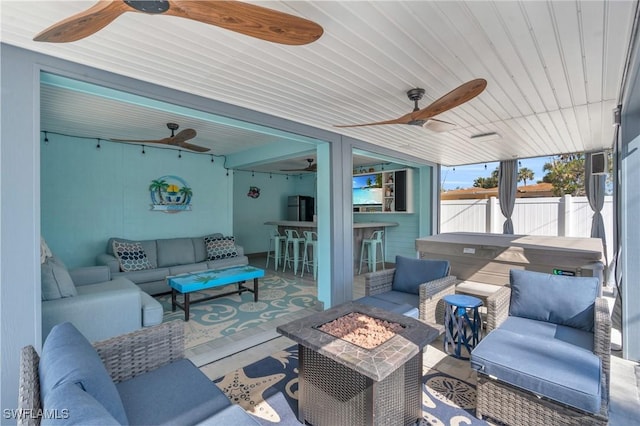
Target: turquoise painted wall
250,214
89,195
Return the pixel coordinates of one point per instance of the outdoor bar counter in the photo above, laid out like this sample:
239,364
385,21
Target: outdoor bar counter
361,230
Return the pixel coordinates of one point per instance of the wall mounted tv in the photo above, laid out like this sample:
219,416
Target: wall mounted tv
367,189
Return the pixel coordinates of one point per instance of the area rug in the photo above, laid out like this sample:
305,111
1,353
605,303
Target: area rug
235,313
268,390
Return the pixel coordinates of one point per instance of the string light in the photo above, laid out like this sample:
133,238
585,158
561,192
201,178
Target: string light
212,158
485,167
252,174
98,145
287,177
179,154
270,176
46,139
143,150
227,172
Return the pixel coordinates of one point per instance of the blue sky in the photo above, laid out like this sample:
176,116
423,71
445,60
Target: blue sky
463,176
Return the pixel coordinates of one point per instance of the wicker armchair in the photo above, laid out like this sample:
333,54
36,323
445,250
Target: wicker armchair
512,405
124,357
431,305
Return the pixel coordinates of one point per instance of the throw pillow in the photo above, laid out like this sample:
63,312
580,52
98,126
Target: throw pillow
55,280
553,298
68,357
220,248
71,405
131,256
410,273
45,252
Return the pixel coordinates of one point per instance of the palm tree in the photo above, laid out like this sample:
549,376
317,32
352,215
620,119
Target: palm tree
159,185
186,194
525,174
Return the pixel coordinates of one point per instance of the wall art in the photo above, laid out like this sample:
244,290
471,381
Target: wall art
170,194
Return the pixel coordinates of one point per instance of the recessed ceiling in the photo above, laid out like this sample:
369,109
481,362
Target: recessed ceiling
554,70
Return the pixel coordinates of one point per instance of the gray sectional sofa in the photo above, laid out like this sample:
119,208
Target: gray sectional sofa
139,378
170,256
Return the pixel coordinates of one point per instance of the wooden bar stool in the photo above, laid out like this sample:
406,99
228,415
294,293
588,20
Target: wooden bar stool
277,241
371,245
310,242
292,242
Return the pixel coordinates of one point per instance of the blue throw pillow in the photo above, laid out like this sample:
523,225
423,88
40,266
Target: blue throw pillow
68,357
410,273
68,404
554,298
55,280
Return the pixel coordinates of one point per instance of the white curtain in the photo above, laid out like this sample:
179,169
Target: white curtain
594,186
507,187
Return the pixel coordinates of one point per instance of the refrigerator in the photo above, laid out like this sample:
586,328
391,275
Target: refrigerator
300,208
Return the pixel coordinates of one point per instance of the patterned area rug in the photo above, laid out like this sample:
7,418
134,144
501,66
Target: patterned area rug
268,389
234,313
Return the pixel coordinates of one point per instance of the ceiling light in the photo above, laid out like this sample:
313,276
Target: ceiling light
488,136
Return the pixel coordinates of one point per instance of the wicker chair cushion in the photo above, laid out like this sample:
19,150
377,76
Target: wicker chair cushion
547,330
73,406
553,298
548,367
68,357
379,301
174,394
410,273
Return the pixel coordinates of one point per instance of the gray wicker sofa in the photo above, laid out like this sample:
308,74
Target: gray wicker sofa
139,378
546,357
415,287
170,256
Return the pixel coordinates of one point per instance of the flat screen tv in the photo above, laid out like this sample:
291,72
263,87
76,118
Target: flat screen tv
367,189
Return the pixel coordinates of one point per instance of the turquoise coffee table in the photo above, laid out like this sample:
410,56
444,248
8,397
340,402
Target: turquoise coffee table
196,281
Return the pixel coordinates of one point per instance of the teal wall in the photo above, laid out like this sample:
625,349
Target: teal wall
89,195
250,214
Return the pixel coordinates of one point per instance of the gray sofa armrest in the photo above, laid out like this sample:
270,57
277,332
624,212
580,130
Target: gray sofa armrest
378,282
96,314
431,293
498,308
240,250
90,275
108,260
141,351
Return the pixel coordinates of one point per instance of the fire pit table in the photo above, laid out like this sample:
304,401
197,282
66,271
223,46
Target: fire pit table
341,383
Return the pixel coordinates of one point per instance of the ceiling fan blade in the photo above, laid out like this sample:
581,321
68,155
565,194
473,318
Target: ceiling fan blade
249,19
85,23
454,98
193,147
181,136
402,120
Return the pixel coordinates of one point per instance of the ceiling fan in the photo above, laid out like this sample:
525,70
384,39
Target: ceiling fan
311,167
249,19
423,117
178,140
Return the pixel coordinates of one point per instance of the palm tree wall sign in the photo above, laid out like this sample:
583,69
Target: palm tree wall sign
170,194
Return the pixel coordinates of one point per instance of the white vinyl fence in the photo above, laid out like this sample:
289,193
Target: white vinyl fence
561,216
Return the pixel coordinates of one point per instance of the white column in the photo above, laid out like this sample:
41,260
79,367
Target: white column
493,214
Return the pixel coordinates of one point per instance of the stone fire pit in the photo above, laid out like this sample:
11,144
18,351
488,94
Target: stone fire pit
376,386
361,329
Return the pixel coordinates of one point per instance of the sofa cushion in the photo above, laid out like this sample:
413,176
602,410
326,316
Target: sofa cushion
410,273
403,308
68,404
55,280
192,397
68,357
175,251
225,263
131,256
199,249
548,330
220,248
185,269
554,298
549,367
148,275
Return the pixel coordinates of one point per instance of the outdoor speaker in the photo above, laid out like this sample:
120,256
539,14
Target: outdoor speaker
598,163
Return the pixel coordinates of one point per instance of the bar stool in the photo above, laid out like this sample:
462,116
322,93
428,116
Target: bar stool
277,241
310,242
371,244
293,241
